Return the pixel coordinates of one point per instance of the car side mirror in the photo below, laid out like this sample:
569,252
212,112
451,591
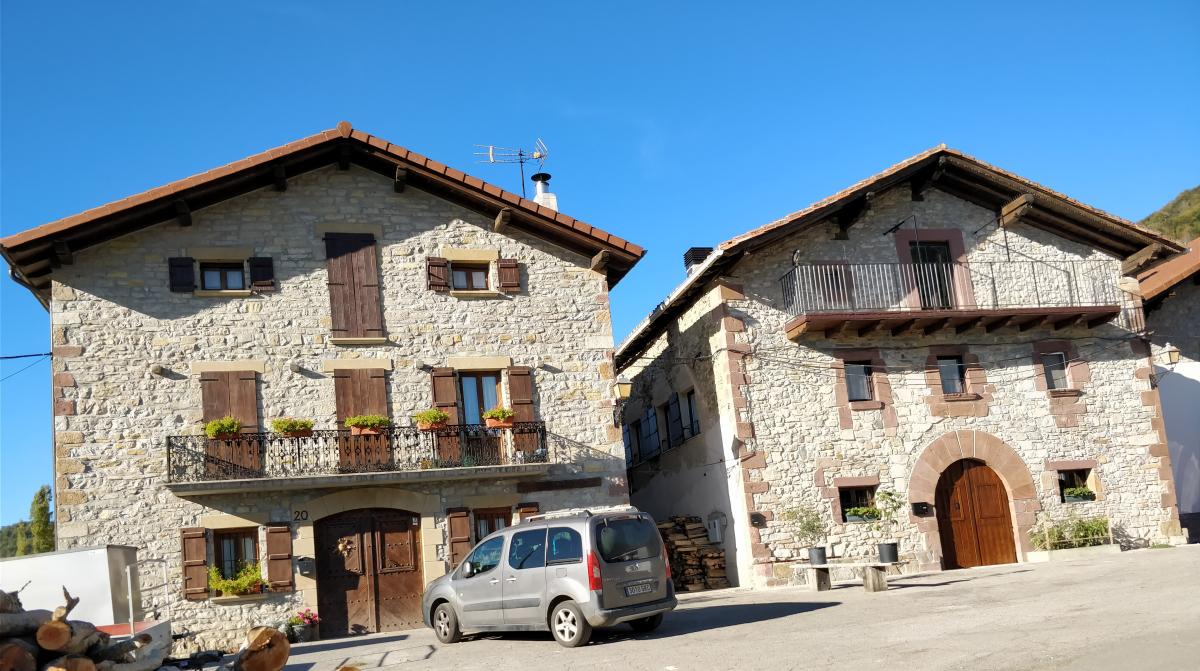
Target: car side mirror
467,569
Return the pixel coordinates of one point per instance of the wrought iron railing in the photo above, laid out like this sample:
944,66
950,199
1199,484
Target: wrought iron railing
269,455
887,287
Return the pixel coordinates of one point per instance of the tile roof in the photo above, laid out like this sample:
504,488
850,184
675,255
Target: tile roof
1160,277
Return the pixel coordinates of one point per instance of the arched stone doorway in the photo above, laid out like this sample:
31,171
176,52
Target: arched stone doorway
974,520
1007,465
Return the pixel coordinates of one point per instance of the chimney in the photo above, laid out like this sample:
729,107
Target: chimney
694,257
542,195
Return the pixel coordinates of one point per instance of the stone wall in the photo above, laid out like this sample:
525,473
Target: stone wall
113,318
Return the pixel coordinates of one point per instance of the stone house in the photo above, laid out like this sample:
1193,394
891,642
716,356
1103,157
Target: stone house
1171,293
336,276
946,331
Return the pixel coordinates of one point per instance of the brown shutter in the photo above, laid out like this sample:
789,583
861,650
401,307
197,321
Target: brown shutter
527,509
343,395
262,273
341,285
182,273
243,399
354,306
214,392
437,273
194,547
459,530
360,391
520,393
445,392
279,558
366,291
510,275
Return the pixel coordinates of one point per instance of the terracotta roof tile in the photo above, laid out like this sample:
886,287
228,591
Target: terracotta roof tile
1162,276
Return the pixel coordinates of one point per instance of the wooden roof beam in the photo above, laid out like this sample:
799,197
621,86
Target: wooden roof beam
62,253
279,177
870,328
1012,211
903,326
400,179
1066,323
502,219
968,325
996,324
935,326
600,261
183,214
1032,323
1141,258
924,179
850,214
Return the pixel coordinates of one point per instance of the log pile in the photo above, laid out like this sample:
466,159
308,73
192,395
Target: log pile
696,563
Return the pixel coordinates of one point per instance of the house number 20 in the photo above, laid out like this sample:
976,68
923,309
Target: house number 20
300,515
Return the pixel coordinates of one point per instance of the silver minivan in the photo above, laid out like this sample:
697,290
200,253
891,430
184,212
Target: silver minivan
566,572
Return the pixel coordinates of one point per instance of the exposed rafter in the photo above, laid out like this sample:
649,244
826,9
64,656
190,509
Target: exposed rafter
848,215
926,177
502,218
279,177
183,213
400,179
62,253
1142,258
1012,211
600,261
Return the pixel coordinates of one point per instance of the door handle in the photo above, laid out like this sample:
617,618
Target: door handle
494,581
511,578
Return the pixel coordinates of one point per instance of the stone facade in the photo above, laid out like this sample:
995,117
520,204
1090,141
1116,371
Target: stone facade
793,437
124,347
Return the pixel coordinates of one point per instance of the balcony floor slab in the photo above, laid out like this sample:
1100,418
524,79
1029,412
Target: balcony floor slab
344,480
899,322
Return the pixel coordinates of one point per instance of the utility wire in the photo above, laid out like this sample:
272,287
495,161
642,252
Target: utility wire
24,356
18,372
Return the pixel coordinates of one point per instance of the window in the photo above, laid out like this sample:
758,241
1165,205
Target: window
566,546
858,381
480,392
527,549
487,556
933,272
234,549
650,443
222,277
950,369
468,276
627,539
1054,364
855,497
1070,484
633,441
491,520
693,413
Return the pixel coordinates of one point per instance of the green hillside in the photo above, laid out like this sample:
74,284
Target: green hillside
1178,219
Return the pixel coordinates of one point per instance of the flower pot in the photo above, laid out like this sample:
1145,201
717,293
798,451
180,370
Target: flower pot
301,633
431,426
889,553
225,436
365,431
855,518
498,423
302,433
816,556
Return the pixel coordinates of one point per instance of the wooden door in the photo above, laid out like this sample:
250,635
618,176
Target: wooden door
973,515
368,572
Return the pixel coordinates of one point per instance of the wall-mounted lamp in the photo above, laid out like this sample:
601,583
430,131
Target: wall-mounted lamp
1171,353
624,388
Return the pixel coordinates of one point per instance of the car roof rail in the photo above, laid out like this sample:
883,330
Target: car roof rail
580,512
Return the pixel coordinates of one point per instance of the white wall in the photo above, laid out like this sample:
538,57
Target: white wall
96,576
1180,392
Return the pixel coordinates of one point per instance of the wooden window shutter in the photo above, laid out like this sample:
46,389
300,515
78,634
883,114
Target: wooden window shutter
459,530
628,444
354,304
182,271
674,422
510,275
194,547
279,558
262,273
341,286
527,509
445,392
520,393
214,392
366,291
437,273
243,399
360,391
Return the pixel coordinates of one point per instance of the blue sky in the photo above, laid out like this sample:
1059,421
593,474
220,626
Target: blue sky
671,124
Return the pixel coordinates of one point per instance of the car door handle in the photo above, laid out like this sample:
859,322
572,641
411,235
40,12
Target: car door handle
494,581
511,578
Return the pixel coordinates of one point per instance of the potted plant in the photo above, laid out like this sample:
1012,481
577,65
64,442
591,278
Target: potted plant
367,425
889,504
247,580
427,464
302,627
809,529
498,417
1078,495
431,419
862,514
226,428
292,428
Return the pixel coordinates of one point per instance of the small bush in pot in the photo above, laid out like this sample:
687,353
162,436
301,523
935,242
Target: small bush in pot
862,514
247,580
499,417
431,419
292,428
809,529
889,504
226,428
367,425
1078,495
302,627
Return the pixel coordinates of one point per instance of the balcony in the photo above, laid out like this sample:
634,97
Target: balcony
836,299
267,461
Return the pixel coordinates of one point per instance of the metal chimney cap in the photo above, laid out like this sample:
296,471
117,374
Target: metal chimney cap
541,177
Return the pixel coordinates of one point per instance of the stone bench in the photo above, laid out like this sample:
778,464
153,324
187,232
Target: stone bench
874,575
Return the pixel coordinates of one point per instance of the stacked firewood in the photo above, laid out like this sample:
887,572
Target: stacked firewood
43,640
696,563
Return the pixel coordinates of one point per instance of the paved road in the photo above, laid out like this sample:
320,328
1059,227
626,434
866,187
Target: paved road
1134,610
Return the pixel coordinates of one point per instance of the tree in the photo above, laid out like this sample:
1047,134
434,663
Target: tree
41,527
24,540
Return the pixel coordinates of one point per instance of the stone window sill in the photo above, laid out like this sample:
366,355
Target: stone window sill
226,293
866,405
237,598
475,293
1064,393
964,396
358,341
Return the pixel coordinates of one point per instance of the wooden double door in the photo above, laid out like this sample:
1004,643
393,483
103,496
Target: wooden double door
368,571
974,519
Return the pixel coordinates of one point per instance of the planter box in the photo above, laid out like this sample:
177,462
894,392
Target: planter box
365,431
238,598
498,423
1041,556
431,426
304,433
1078,499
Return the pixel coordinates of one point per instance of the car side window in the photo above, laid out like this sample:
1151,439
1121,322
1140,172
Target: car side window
565,546
528,549
487,556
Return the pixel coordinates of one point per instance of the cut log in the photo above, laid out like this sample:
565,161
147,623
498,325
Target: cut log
19,624
64,610
120,651
17,654
70,637
71,663
266,649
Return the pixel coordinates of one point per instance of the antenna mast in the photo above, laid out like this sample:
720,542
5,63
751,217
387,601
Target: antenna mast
490,153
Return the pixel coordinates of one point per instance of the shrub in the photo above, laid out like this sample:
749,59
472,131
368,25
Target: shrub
221,427
430,416
303,617
369,421
289,425
1073,532
498,413
865,512
1080,493
807,525
888,505
248,580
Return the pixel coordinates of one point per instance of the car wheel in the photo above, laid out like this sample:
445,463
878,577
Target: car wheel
646,624
445,624
569,626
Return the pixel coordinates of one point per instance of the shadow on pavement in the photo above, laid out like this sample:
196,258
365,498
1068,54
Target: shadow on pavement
345,643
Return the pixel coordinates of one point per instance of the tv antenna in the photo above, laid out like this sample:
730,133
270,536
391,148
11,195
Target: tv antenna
490,153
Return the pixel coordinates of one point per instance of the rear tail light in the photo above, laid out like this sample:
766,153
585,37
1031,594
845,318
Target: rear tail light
595,583
666,559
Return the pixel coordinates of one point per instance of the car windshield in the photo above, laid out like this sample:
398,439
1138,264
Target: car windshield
627,539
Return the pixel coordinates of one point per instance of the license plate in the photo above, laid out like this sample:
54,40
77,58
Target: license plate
644,588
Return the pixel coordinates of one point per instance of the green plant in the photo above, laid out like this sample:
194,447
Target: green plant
865,512
1073,532
499,413
807,525
369,421
430,416
290,425
247,580
1080,493
889,505
222,427
303,617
